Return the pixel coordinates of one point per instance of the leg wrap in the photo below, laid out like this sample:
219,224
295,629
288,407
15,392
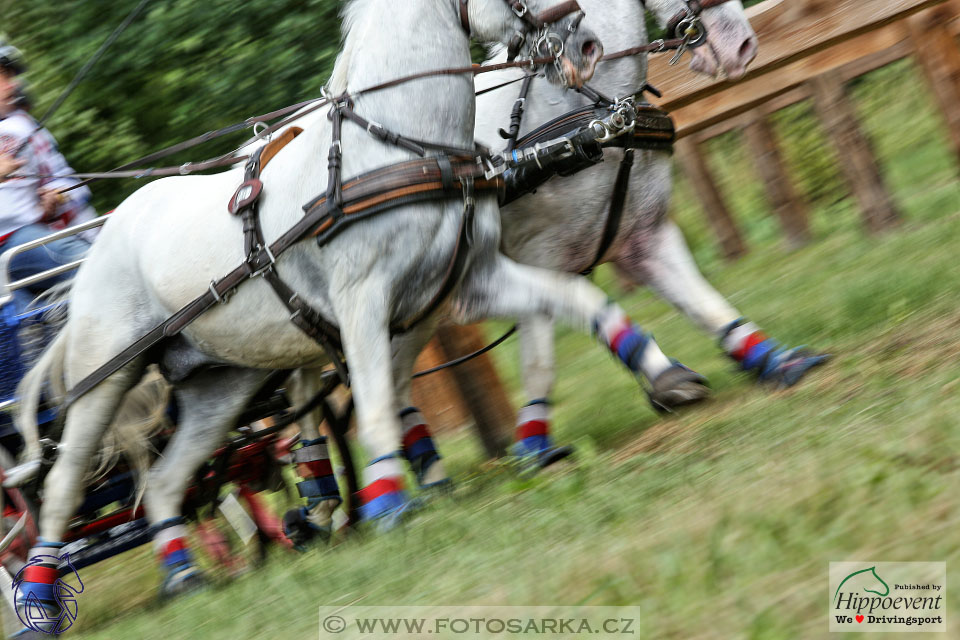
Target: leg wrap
630,343
768,359
533,443
533,428
35,587
170,543
384,493
419,449
319,487
313,465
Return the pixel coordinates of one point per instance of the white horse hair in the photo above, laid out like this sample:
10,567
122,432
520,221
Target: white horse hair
165,243
560,226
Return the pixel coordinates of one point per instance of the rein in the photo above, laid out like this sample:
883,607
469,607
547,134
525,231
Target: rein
678,44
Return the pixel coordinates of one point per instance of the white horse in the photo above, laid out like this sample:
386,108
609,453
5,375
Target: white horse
166,242
560,226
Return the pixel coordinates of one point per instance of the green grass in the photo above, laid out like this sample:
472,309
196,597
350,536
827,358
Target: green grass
719,522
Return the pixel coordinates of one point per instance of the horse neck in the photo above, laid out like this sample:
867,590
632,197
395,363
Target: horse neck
664,10
389,39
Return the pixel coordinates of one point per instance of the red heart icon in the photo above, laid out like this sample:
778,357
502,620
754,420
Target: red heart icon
859,618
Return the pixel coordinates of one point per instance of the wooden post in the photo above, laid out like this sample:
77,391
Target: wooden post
480,387
854,152
772,169
939,56
695,167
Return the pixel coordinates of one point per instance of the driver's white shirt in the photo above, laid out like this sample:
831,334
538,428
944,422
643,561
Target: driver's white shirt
19,199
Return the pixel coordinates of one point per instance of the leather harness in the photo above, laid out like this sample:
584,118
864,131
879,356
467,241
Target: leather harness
653,131
456,172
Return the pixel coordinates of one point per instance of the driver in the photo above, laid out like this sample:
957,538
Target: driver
32,207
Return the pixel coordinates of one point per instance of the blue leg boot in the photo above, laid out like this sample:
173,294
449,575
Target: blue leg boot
182,575
772,363
422,454
313,523
533,445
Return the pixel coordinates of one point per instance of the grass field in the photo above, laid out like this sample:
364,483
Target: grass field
719,522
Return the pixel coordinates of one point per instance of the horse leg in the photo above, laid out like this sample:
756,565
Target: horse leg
532,435
209,404
502,287
364,331
418,445
311,460
662,260
86,421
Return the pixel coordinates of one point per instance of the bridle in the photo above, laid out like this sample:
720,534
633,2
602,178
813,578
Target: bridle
686,23
535,25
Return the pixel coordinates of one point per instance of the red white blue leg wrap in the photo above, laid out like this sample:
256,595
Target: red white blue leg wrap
768,359
37,601
533,428
173,550
533,443
318,485
384,494
630,343
318,482
420,451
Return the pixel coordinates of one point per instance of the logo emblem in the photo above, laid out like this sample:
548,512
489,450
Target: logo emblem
48,617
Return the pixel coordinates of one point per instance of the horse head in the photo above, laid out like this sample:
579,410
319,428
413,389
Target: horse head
539,29
731,42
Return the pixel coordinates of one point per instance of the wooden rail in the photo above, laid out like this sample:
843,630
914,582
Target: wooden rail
808,50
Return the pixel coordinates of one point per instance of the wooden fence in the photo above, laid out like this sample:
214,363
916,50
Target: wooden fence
809,49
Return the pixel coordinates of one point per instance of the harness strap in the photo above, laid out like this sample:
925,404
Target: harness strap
364,195
615,214
465,16
516,116
413,145
302,315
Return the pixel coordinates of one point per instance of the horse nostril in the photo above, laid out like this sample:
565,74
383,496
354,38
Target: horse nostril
589,49
748,50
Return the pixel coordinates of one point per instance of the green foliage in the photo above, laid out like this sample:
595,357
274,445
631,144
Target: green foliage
182,68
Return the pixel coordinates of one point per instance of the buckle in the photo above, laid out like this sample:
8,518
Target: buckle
264,249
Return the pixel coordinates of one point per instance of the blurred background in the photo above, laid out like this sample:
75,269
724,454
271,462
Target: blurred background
820,195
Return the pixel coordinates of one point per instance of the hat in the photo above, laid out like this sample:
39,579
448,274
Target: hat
11,58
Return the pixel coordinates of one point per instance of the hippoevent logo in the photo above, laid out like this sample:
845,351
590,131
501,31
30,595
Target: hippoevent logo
52,618
888,596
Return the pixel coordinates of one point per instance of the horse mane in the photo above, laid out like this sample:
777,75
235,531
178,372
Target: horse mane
349,17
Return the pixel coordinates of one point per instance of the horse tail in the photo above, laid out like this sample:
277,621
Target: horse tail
48,367
141,416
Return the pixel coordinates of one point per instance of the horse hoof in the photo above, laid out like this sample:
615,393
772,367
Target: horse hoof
301,532
532,462
792,366
394,518
677,387
182,581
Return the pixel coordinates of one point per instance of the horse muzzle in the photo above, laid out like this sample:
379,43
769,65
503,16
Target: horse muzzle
578,58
